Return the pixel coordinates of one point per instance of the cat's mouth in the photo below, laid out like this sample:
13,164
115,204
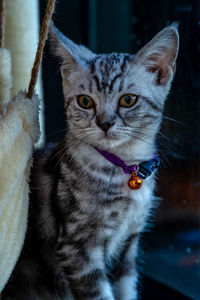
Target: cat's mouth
109,135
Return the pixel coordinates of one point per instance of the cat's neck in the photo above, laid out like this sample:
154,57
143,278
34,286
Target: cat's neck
130,153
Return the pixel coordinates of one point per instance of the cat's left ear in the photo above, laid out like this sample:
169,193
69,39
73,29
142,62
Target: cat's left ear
72,56
159,55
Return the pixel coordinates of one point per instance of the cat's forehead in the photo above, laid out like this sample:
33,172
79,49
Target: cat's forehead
107,69
107,64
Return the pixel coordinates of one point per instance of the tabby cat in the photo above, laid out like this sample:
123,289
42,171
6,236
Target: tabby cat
85,221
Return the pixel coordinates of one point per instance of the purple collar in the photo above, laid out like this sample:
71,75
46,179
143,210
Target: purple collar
143,170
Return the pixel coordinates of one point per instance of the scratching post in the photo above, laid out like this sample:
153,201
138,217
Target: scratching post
19,130
5,63
21,38
2,23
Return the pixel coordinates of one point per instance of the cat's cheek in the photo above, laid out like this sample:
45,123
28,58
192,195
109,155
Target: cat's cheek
79,119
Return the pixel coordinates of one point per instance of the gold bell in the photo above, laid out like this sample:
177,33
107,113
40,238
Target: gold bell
135,182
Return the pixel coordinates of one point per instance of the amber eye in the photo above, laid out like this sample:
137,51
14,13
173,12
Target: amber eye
85,101
128,100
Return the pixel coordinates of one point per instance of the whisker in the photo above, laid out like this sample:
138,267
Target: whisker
174,120
164,136
172,141
167,160
67,146
135,130
68,143
56,132
168,147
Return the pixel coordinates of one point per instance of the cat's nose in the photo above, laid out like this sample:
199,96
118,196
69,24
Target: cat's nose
104,125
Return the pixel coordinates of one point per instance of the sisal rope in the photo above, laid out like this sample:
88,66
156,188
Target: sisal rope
39,53
2,22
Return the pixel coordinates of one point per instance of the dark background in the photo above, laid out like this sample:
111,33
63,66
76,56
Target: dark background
126,25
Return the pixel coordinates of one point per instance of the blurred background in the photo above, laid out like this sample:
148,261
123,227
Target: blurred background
170,249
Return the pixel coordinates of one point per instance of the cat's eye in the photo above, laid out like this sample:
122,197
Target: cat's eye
85,101
128,100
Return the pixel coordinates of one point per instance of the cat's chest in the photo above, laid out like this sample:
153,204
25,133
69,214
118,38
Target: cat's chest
127,206
103,190
124,215
106,190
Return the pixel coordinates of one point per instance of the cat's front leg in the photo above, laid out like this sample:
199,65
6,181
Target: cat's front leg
125,284
85,273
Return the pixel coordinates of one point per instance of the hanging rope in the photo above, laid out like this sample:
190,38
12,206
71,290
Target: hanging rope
43,37
2,22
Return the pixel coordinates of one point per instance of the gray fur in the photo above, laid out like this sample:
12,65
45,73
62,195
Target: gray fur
87,221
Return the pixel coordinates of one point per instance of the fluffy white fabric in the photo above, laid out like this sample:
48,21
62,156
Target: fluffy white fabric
19,130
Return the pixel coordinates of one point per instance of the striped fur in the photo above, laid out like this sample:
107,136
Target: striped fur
85,222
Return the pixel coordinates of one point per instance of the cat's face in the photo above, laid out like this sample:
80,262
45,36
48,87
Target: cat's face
117,99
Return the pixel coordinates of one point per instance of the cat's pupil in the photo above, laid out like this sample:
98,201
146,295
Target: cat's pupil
128,99
86,101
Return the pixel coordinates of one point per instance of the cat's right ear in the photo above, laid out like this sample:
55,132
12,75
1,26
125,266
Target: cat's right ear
159,55
73,57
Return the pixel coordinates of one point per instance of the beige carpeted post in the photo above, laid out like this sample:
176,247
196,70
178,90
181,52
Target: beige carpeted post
21,38
19,130
5,63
